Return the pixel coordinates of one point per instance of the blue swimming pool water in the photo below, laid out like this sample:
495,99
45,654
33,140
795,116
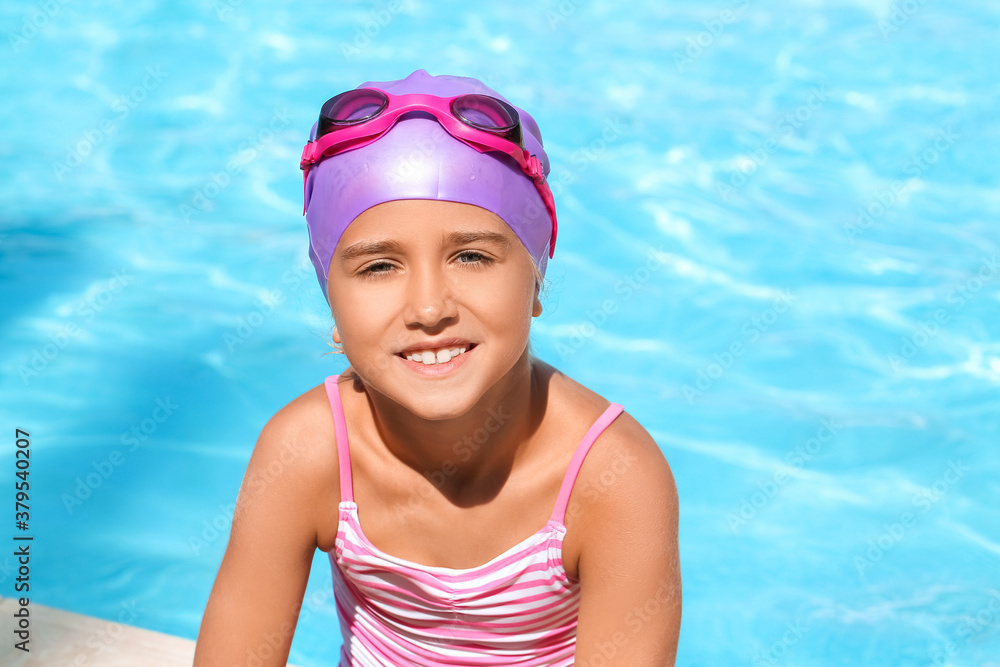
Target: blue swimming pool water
816,350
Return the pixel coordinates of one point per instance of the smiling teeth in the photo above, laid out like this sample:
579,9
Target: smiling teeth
429,358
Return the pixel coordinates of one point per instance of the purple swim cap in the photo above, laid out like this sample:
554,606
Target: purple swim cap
418,159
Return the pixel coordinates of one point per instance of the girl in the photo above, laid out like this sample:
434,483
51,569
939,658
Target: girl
479,507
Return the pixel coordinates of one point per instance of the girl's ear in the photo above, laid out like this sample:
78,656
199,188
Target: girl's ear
536,308
337,347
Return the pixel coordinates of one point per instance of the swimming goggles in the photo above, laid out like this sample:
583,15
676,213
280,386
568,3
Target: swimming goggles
359,117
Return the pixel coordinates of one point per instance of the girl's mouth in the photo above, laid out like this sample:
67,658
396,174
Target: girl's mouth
436,361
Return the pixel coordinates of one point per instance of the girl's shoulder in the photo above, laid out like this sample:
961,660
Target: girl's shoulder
623,477
624,461
572,404
298,445
303,429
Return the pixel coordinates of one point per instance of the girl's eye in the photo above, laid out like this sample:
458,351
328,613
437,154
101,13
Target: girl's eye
377,269
473,257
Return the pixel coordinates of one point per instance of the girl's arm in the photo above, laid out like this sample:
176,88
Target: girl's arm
630,609
254,605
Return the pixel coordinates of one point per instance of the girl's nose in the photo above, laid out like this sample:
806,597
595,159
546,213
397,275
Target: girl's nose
429,299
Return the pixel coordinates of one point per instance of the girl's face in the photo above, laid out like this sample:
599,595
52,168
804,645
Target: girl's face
417,276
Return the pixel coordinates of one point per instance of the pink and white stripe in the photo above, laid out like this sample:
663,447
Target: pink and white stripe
518,609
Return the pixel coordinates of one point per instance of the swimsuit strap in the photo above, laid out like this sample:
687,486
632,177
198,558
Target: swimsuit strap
343,448
608,416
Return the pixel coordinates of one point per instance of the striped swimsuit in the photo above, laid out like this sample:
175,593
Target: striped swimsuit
518,609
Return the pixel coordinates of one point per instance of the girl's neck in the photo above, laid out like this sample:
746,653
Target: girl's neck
471,455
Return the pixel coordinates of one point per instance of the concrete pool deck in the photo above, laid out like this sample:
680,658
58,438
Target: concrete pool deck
66,639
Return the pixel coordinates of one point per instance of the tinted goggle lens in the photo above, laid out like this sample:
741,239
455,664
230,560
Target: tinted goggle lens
350,108
484,112
489,114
